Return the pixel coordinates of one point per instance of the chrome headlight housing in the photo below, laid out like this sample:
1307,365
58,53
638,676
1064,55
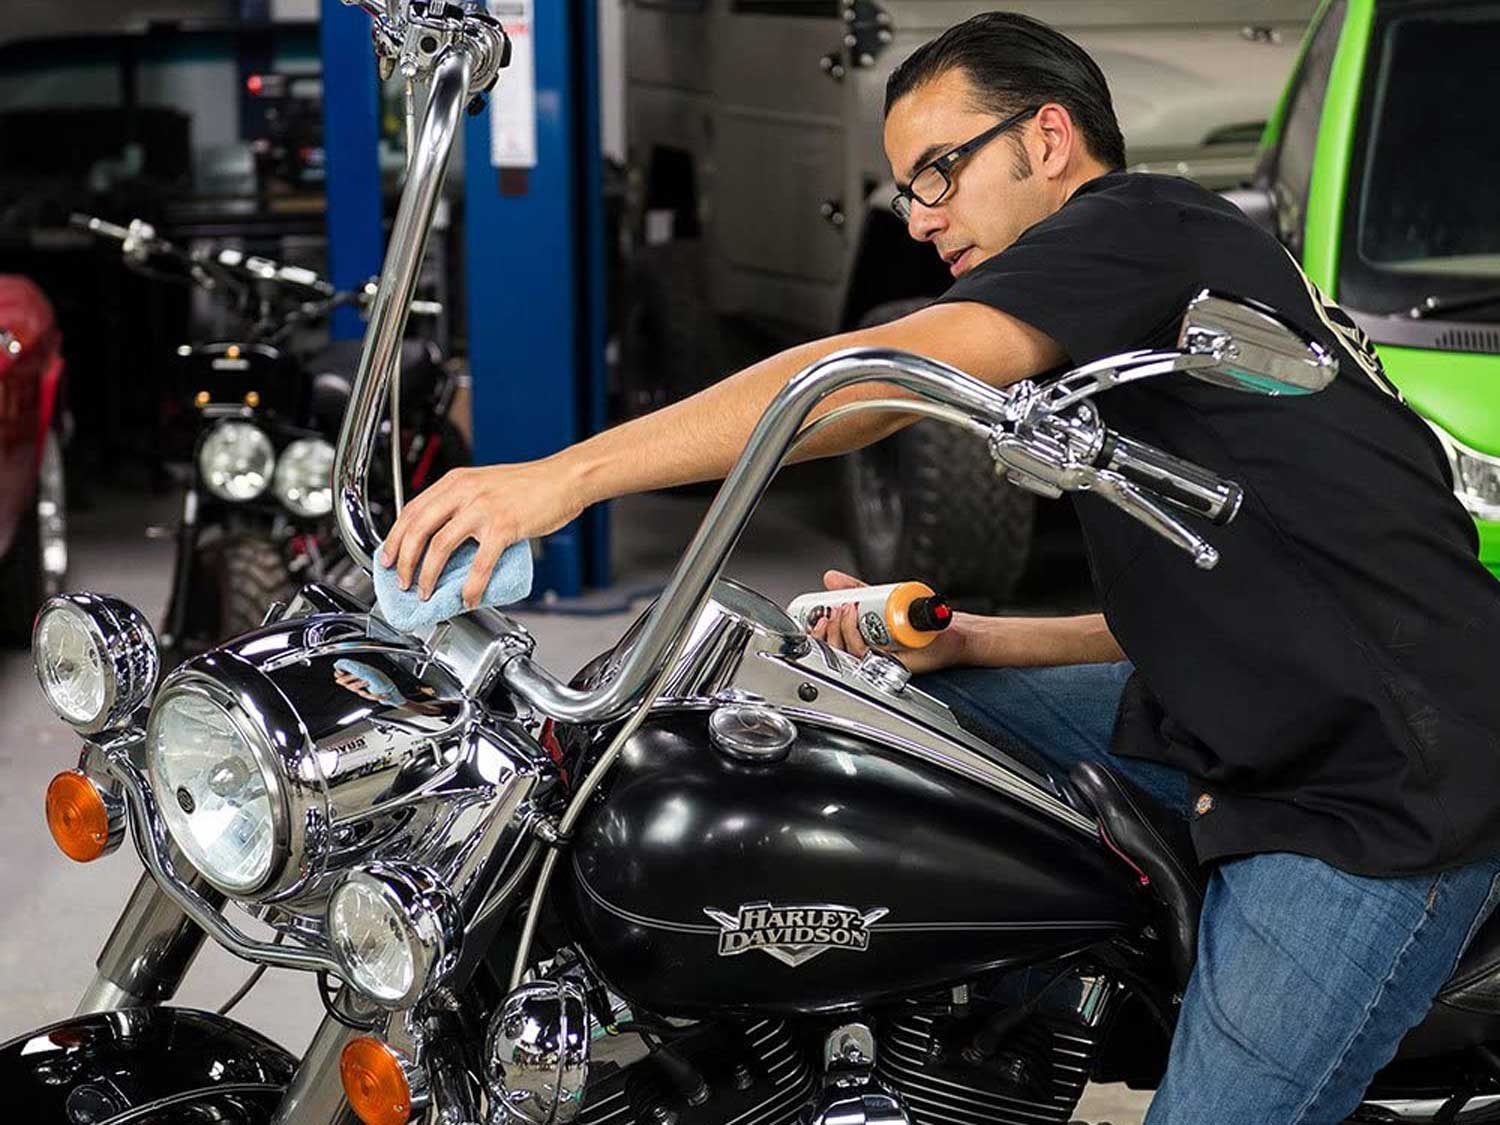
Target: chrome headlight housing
96,659
304,477
394,932
1476,476
236,461
218,785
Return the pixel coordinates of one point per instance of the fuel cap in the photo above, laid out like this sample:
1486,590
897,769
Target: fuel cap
750,732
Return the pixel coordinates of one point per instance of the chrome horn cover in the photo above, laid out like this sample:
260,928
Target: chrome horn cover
536,1054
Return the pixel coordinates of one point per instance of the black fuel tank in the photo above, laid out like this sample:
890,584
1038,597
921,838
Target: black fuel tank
846,875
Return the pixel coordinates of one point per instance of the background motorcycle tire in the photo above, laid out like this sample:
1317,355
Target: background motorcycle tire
252,574
926,504
25,581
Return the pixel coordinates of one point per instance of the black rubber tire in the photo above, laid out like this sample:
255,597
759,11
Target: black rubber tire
22,584
672,344
252,575
927,504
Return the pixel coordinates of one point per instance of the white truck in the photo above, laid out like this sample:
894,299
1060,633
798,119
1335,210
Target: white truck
758,212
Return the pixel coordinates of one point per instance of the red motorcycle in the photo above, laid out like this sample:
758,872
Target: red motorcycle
33,508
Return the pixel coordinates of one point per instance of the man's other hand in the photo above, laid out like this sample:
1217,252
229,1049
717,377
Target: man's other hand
840,629
494,505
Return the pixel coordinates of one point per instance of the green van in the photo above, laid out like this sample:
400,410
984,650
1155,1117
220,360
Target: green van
1380,171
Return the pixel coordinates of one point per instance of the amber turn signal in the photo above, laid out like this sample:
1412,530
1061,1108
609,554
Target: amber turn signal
77,816
375,1082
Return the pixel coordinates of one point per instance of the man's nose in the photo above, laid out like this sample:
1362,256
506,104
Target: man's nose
925,223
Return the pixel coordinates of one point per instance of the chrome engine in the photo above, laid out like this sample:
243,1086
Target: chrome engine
957,1071
758,1074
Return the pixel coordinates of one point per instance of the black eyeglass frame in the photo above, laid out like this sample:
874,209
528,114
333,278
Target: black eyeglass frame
901,202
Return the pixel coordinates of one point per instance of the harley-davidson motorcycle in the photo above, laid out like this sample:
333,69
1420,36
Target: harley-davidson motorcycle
726,874
257,514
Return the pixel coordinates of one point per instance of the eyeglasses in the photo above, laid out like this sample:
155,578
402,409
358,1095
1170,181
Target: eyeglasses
934,180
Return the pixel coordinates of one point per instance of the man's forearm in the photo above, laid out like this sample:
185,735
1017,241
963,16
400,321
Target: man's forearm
1031,642
701,437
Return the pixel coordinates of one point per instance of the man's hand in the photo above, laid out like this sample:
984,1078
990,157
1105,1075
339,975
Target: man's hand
841,630
495,505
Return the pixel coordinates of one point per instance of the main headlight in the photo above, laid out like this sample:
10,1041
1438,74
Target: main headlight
394,932
1476,476
96,659
217,789
236,460
304,477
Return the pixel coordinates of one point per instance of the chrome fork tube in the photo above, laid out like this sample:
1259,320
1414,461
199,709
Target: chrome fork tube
381,356
148,952
316,1093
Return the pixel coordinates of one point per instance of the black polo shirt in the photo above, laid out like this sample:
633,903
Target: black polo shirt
1330,685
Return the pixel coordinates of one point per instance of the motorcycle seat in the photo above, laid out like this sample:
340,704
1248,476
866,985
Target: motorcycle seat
333,369
1156,843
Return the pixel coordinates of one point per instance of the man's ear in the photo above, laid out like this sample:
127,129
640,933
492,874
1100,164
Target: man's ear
1059,139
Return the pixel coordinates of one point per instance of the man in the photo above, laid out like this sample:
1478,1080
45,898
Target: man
1323,713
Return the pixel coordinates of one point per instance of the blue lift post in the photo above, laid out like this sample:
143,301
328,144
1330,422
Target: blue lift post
351,143
534,249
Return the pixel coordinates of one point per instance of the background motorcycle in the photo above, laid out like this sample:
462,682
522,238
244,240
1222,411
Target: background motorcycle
267,405
772,883
33,500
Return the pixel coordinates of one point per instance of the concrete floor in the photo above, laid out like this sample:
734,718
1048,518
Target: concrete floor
55,914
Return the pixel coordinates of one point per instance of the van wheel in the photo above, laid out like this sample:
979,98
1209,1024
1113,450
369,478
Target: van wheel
927,504
672,345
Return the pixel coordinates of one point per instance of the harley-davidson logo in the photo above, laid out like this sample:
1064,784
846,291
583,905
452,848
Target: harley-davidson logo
794,935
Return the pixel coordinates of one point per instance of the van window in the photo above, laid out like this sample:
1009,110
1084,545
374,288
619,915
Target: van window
1292,170
1425,162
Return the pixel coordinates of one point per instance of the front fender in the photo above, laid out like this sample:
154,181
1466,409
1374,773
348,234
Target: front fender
160,1065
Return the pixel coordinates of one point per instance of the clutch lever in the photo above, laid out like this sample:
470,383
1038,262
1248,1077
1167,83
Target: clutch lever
1136,503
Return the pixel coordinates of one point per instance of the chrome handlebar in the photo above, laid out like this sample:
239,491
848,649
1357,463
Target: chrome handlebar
391,303
1045,452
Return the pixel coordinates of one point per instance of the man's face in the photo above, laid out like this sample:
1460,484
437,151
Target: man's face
995,194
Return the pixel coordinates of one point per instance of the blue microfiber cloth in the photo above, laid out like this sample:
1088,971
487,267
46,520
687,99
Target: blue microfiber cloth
405,609
376,682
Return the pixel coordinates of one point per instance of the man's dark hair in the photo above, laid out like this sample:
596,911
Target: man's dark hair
1015,61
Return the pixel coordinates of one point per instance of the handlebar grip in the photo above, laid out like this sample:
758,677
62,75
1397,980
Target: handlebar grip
1183,483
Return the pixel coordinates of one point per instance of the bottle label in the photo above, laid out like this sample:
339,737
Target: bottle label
872,628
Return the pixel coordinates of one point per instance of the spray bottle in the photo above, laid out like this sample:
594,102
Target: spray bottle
901,615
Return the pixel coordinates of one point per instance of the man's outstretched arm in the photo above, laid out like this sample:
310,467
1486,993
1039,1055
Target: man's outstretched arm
697,439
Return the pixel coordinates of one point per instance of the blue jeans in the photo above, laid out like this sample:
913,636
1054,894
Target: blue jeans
1307,977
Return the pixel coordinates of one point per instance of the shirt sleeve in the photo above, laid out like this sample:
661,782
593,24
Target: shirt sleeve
1106,273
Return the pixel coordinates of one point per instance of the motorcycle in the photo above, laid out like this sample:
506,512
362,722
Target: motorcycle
726,874
257,514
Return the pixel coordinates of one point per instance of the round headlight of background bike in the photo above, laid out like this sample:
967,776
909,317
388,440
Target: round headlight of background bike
304,477
236,461
216,788
96,659
394,932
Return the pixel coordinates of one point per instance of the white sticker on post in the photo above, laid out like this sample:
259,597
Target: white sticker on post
513,100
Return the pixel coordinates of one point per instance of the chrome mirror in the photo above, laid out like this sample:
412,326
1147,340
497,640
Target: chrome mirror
1253,349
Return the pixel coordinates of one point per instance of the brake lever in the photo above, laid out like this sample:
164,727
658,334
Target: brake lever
1051,454
1135,502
